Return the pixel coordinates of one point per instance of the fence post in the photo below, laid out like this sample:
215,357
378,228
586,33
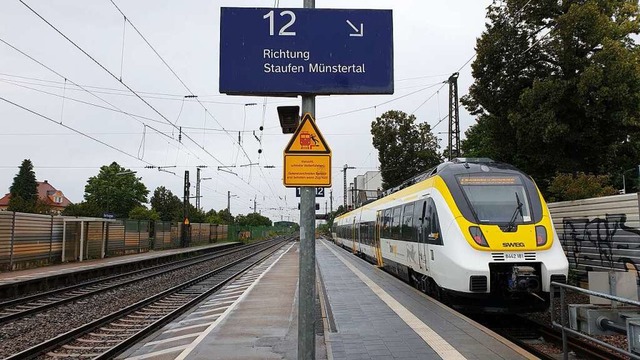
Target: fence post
13,235
139,232
51,239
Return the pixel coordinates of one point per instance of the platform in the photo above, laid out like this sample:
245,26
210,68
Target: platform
11,278
254,317
378,316
367,314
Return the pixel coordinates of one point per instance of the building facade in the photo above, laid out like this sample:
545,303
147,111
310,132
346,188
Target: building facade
47,194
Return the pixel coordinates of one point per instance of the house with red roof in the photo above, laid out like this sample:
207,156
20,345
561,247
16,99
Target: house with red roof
49,195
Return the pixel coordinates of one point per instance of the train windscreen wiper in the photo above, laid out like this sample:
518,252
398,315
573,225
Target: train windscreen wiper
512,222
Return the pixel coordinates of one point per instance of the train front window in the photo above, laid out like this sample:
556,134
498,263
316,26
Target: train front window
496,199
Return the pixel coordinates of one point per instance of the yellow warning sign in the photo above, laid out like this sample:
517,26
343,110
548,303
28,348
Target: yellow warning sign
307,157
307,170
307,139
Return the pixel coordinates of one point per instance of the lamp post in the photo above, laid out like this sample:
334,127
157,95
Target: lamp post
624,181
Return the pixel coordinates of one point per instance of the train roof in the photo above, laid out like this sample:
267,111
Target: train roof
447,169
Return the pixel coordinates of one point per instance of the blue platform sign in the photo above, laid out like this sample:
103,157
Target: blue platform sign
276,51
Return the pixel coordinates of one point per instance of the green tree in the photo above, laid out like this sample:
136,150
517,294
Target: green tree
253,219
83,209
116,190
166,204
196,215
222,217
557,87
24,190
142,213
566,187
404,148
225,217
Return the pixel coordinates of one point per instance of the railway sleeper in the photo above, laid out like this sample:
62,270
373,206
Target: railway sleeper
104,335
81,348
73,355
95,341
124,325
117,330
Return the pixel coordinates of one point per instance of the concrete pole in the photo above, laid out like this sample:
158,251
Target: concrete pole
307,278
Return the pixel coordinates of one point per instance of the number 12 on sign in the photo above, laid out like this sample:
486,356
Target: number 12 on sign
283,30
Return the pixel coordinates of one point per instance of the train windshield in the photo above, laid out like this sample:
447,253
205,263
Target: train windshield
496,199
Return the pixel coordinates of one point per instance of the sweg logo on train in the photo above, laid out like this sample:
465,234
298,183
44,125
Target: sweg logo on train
514,244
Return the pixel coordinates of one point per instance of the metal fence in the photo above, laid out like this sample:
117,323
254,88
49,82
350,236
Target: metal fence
30,240
599,234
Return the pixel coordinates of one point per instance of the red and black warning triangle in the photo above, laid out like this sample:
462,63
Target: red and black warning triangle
307,139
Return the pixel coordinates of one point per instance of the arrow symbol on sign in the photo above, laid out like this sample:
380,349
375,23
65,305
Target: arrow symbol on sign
359,32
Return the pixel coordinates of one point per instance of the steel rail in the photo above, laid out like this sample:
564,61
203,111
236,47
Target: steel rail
40,302
71,335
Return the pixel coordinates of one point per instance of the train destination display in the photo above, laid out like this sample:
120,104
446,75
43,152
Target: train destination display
266,51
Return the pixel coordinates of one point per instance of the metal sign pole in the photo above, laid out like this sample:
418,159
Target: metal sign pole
306,292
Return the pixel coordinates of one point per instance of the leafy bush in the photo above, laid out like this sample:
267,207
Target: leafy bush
566,187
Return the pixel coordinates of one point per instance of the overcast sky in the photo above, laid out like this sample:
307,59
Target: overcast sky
431,41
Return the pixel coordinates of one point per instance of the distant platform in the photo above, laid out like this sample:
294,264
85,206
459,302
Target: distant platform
15,278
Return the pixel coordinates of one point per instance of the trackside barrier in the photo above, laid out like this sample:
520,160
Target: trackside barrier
599,234
564,318
28,240
250,233
31,240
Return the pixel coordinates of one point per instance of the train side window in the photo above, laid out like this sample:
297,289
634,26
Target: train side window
407,223
386,227
434,235
372,232
395,222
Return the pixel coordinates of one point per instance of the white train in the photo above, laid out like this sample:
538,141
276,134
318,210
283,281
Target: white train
473,233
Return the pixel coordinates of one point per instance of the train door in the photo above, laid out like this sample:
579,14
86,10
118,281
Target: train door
422,225
433,235
376,238
354,235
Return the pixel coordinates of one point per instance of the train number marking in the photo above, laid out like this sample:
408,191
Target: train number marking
514,256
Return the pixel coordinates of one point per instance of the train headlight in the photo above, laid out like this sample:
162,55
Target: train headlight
541,235
477,236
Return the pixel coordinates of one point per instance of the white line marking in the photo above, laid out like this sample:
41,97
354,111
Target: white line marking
223,299
186,328
157,353
214,316
204,334
175,338
435,341
208,311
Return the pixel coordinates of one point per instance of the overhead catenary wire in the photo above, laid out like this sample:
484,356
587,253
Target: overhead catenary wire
382,103
176,75
114,76
113,107
240,146
73,129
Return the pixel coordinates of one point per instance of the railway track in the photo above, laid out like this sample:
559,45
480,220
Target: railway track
527,333
108,336
29,305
